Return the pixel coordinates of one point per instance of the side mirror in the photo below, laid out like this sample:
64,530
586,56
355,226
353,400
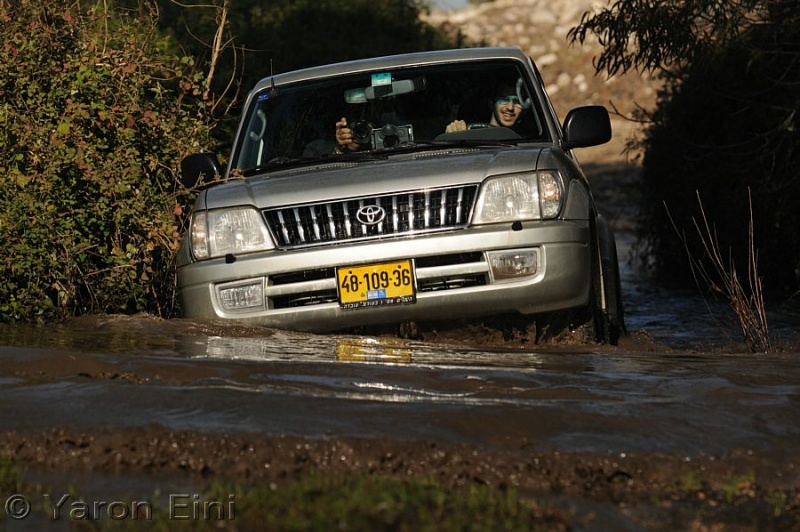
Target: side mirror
199,165
587,126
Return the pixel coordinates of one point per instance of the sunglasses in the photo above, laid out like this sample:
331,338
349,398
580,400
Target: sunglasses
505,100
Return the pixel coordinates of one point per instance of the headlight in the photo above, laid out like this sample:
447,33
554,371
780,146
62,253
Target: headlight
235,231
530,196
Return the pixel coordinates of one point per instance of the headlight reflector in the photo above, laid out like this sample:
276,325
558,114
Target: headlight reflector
529,196
242,296
218,233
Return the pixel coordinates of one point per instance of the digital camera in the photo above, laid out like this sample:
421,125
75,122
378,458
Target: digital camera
388,136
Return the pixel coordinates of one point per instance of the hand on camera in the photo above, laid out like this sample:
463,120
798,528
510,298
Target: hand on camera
344,137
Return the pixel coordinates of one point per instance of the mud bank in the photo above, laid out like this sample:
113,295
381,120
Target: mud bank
741,490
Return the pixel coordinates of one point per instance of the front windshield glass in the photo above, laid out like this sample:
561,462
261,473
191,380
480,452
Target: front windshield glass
391,110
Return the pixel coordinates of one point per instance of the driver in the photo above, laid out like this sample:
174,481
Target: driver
506,112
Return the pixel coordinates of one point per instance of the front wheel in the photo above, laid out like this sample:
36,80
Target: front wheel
599,321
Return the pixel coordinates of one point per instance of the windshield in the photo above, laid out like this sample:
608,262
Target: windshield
389,110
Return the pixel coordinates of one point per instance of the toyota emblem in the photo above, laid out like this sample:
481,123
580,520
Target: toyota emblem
371,214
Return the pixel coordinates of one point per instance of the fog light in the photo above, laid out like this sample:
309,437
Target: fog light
242,296
513,264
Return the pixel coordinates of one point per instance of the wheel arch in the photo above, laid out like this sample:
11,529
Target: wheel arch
606,283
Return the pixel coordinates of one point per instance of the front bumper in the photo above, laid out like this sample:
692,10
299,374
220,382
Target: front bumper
454,278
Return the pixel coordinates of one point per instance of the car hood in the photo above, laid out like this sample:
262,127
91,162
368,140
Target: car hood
374,176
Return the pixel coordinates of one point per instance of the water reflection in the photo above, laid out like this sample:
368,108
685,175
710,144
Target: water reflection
299,347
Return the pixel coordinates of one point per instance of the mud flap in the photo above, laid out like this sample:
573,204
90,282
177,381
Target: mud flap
609,313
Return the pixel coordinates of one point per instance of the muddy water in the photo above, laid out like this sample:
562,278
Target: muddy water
682,383
678,390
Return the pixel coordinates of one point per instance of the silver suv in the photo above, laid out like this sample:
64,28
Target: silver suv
456,195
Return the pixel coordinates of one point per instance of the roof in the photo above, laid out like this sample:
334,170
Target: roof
394,61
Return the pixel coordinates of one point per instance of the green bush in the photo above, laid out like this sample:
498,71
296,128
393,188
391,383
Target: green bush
94,119
727,125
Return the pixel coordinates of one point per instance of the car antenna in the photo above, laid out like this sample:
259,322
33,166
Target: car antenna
271,77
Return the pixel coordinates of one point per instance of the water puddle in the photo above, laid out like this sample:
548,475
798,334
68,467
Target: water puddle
132,371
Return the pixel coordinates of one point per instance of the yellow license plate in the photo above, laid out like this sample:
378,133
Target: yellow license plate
388,283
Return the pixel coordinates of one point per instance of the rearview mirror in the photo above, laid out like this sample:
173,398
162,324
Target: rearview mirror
378,91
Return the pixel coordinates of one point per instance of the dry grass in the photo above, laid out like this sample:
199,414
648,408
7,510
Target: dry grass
723,280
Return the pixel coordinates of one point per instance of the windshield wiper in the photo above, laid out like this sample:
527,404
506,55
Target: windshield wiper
281,163
480,143
360,156
285,162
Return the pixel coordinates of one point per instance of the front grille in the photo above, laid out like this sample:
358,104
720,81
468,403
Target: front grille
410,212
449,282
302,276
305,299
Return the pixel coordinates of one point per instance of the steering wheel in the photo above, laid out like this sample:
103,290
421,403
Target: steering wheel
478,125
